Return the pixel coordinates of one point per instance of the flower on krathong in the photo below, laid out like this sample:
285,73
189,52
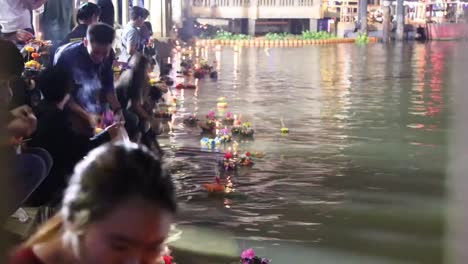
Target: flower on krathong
248,257
29,49
248,253
211,115
247,124
35,55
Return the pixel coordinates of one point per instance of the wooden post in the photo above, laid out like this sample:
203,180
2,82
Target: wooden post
157,18
117,12
363,16
36,19
386,22
253,14
252,27
163,18
400,32
125,11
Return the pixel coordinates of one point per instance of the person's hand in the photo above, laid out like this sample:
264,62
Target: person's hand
22,111
92,122
24,121
119,117
22,126
114,130
23,35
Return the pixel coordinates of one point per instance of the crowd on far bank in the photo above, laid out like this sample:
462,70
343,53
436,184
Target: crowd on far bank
63,122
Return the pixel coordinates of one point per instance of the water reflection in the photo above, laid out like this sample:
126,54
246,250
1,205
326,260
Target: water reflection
360,177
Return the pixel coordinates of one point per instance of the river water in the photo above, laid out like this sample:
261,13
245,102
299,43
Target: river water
361,176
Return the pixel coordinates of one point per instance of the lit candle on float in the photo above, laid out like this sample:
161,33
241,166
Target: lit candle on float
217,127
170,127
39,35
236,121
235,144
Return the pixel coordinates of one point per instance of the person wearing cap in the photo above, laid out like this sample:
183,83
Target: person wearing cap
87,14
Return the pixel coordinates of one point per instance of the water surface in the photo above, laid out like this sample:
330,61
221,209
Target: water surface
359,179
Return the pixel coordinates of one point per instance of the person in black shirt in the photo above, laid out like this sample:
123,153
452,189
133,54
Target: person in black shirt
87,14
107,12
55,134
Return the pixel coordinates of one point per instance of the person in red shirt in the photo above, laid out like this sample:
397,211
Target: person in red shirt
117,209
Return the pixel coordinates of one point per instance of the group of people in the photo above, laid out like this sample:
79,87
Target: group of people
119,202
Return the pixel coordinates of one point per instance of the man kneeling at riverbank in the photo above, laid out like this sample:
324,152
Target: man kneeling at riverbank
90,64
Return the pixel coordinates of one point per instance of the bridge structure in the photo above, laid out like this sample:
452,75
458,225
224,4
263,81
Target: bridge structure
255,11
242,16
161,13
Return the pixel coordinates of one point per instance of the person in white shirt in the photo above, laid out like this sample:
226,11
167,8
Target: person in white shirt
15,19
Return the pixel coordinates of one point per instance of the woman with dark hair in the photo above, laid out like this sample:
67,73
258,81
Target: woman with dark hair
108,12
118,208
132,90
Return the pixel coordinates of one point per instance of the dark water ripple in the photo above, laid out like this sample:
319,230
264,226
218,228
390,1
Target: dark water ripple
360,178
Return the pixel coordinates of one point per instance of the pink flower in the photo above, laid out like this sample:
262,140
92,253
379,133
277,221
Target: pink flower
211,115
248,254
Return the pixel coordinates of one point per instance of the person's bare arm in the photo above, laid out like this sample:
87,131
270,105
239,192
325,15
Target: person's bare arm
131,48
24,122
79,111
113,101
21,35
138,108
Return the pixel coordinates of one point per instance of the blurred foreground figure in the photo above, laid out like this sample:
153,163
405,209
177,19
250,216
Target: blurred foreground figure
118,208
